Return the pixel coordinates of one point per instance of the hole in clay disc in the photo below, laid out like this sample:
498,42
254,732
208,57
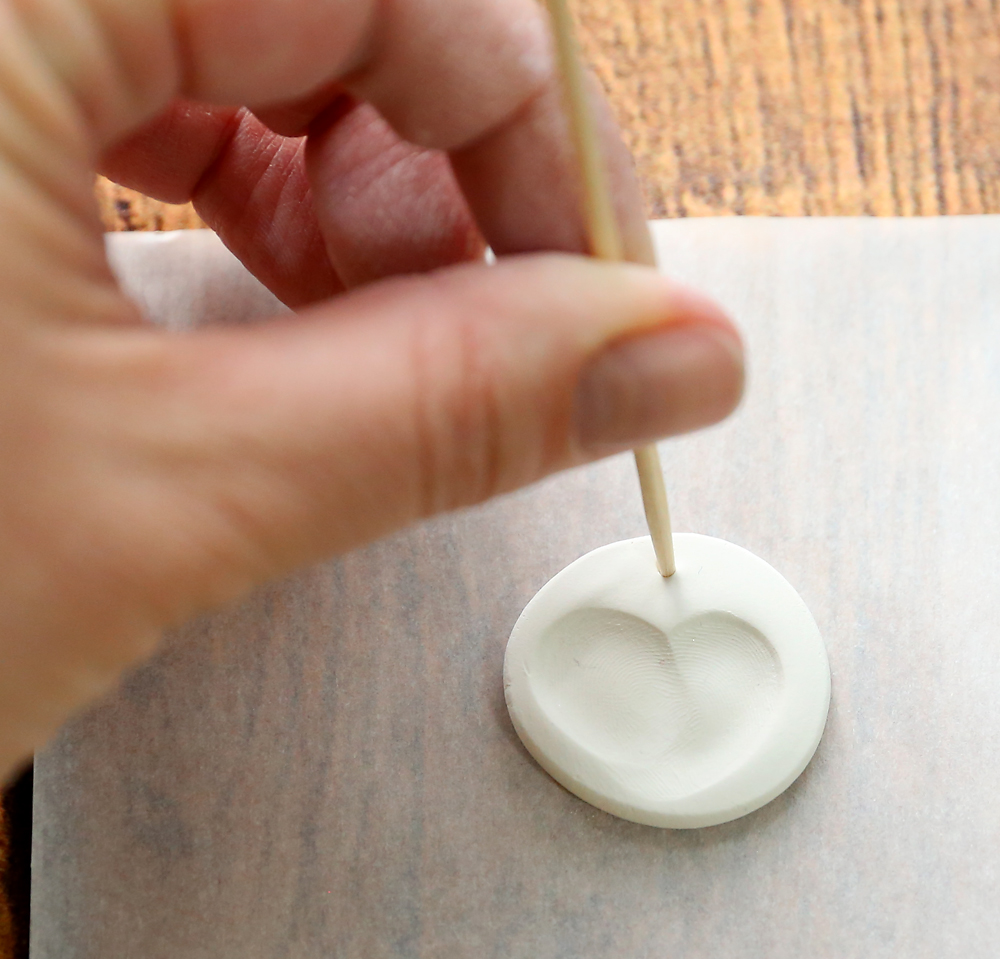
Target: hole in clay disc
687,707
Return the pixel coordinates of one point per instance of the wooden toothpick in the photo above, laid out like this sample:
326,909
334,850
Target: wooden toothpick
606,244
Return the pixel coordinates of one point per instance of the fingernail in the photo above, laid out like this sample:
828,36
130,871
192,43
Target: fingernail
658,384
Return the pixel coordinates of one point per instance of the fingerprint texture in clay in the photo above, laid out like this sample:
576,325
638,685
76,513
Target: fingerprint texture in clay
684,707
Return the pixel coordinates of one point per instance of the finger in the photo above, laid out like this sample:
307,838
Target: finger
168,157
249,185
257,197
367,203
177,471
385,206
524,188
382,205
426,394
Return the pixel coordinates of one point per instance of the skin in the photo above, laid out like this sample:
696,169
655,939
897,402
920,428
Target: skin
358,157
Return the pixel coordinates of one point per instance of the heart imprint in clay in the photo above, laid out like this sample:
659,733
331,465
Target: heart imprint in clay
679,702
687,705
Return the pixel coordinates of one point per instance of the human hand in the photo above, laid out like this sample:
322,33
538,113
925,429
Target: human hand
149,476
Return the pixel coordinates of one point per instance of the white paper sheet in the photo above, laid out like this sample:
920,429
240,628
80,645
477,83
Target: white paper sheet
328,770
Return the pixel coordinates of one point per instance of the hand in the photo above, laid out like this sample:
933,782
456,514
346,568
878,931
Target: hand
148,476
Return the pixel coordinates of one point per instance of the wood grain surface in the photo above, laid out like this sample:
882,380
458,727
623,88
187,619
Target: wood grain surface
783,107
124,210
328,768
805,107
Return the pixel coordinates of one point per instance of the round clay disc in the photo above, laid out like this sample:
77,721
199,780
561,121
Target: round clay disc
679,702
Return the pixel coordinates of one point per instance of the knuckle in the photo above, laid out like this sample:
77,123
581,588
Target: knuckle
461,443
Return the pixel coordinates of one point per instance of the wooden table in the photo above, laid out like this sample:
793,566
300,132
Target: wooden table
784,107
780,107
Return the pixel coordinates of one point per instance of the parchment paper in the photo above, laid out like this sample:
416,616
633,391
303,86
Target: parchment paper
328,770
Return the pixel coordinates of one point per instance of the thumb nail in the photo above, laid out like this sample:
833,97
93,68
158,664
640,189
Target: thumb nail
657,384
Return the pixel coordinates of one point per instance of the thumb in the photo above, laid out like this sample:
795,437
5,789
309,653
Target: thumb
430,393
150,476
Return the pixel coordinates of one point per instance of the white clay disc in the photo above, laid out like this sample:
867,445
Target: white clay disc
679,702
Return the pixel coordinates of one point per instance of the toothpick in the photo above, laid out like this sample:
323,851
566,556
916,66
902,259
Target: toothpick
606,244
